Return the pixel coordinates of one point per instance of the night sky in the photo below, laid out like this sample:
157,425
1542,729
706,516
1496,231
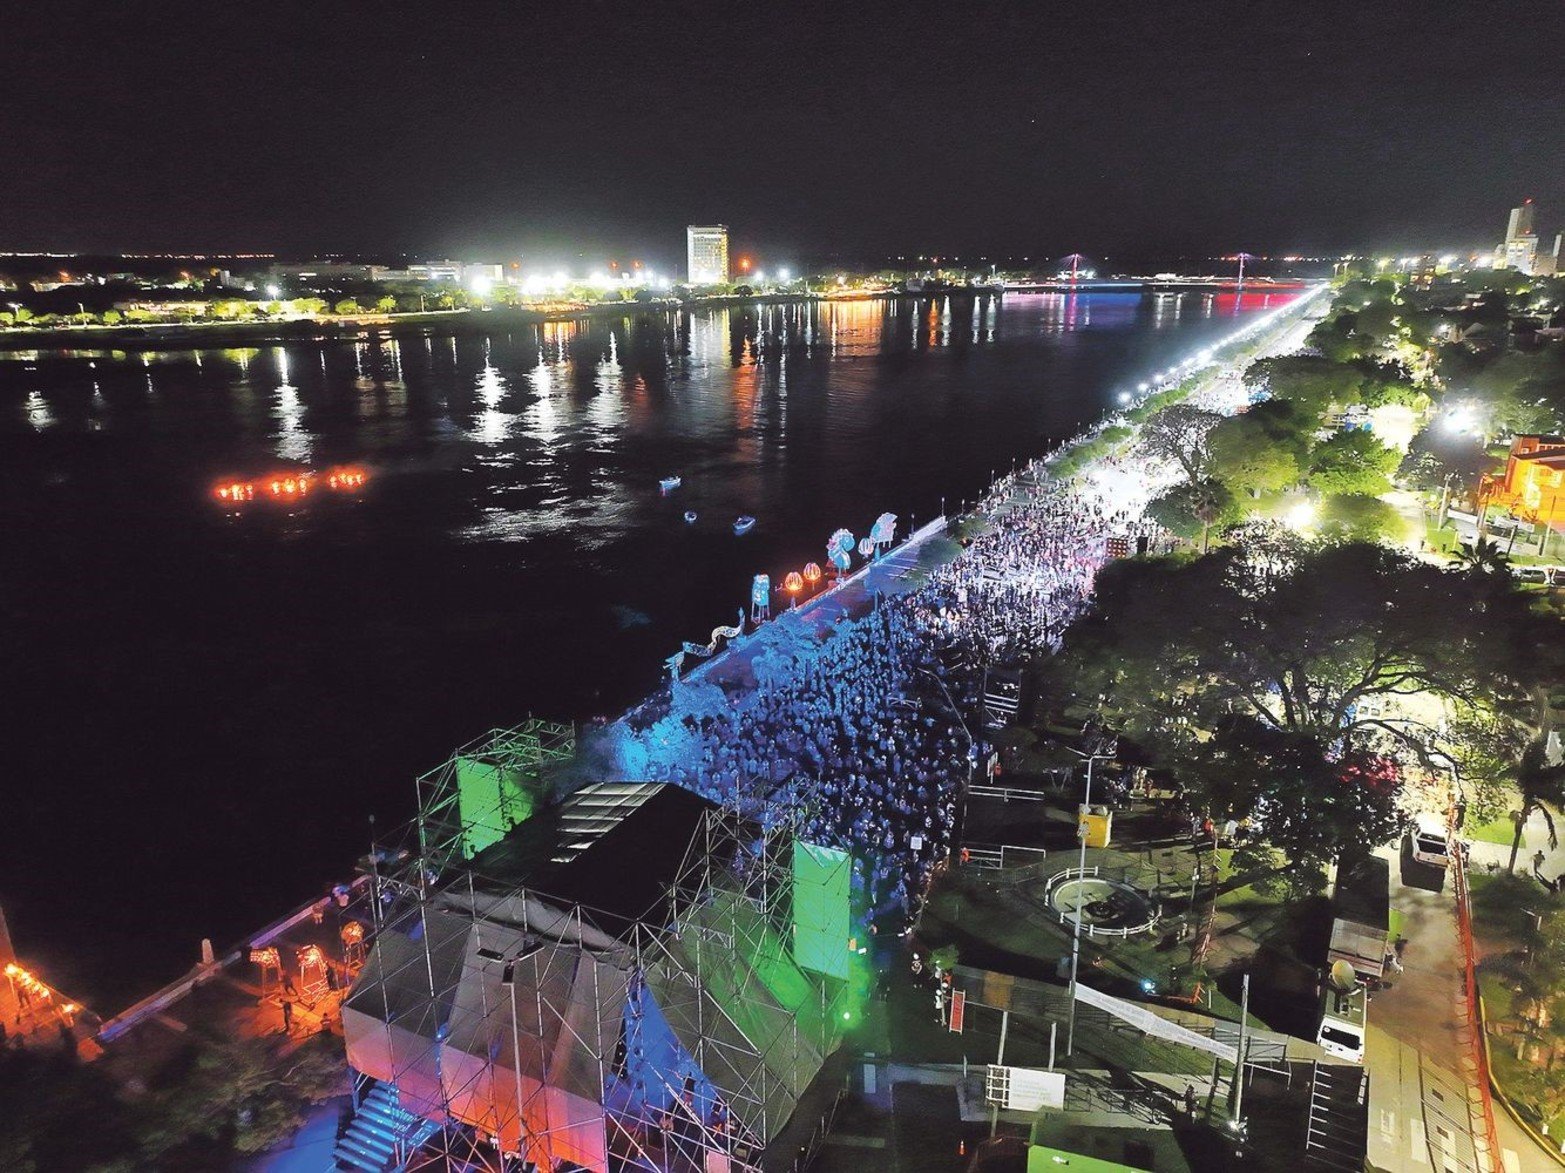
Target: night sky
500,130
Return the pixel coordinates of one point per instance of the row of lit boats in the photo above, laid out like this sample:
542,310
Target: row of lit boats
290,486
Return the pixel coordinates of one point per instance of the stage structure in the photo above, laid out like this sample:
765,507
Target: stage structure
629,978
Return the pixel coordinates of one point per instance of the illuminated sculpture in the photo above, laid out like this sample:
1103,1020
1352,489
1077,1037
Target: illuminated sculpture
760,598
313,983
839,549
271,969
884,531
353,944
812,572
793,584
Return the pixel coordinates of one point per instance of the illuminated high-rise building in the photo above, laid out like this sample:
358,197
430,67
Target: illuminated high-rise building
1520,250
706,251
1520,223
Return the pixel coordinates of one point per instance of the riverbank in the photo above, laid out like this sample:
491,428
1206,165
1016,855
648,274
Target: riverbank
352,327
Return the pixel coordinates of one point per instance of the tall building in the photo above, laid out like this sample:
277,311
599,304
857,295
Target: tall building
706,252
1520,250
1520,223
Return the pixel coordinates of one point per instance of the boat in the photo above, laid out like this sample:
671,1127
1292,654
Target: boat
690,517
669,484
743,525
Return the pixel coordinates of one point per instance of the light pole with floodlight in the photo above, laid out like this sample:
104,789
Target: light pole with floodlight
1081,872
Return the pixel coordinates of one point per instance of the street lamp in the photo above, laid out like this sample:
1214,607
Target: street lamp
1089,757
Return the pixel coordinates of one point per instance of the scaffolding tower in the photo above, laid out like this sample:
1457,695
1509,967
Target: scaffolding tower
615,1000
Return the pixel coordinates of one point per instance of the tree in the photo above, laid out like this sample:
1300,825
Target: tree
1178,434
242,1093
111,317
1358,517
1352,462
346,307
1322,640
1262,450
387,304
1541,784
1484,557
1312,383
1193,508
1303,799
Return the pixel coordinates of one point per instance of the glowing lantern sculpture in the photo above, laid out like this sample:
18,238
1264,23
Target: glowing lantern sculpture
271,968
839,549
312,974
812,572
867,547
760,598
884,531
793,584
353,944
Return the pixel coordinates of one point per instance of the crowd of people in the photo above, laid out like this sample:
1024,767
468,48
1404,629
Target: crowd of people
861,735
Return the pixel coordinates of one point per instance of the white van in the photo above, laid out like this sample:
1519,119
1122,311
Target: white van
1431,841
1341,1033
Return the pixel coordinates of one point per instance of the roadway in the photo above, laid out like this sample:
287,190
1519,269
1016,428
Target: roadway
1423,1090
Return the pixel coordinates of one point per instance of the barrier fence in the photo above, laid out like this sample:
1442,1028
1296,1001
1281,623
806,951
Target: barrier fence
1488,1143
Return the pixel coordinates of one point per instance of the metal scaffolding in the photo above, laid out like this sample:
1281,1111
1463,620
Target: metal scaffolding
525,1026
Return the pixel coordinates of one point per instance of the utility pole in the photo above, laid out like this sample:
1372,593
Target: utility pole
1236,1117
1081,899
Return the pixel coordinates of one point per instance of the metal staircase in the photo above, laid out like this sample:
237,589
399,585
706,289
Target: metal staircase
382,1136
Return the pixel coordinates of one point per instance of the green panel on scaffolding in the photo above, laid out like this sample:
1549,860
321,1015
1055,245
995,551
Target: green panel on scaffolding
821,921
490,800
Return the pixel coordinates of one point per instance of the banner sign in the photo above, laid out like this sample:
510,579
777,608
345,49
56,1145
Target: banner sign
958,1011
1147,1022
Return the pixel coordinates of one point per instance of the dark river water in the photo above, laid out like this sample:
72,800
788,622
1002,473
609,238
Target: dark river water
202,709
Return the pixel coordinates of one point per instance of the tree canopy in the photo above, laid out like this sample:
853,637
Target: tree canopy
1353,461
1179,434
1262,450
1322,660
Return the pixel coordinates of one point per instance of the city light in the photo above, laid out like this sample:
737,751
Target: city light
783,276
483,285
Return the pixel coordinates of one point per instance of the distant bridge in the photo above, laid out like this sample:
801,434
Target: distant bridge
1154,284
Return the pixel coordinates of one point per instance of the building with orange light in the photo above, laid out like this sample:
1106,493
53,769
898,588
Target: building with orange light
1533,483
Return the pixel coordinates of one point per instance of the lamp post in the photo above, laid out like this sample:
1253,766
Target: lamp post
1081,869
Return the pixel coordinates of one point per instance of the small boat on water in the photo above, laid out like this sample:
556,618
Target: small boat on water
690,517
669,484
743,525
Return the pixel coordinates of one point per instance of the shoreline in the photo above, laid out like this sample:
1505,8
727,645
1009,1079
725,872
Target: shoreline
204,335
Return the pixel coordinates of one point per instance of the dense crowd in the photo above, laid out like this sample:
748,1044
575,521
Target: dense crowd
862,737
862,734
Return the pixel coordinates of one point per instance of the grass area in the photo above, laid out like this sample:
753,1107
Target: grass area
1506,1067
1441,540
1501,830
1498,997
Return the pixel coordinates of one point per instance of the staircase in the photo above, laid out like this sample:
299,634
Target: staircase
382,1136
1338,1133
